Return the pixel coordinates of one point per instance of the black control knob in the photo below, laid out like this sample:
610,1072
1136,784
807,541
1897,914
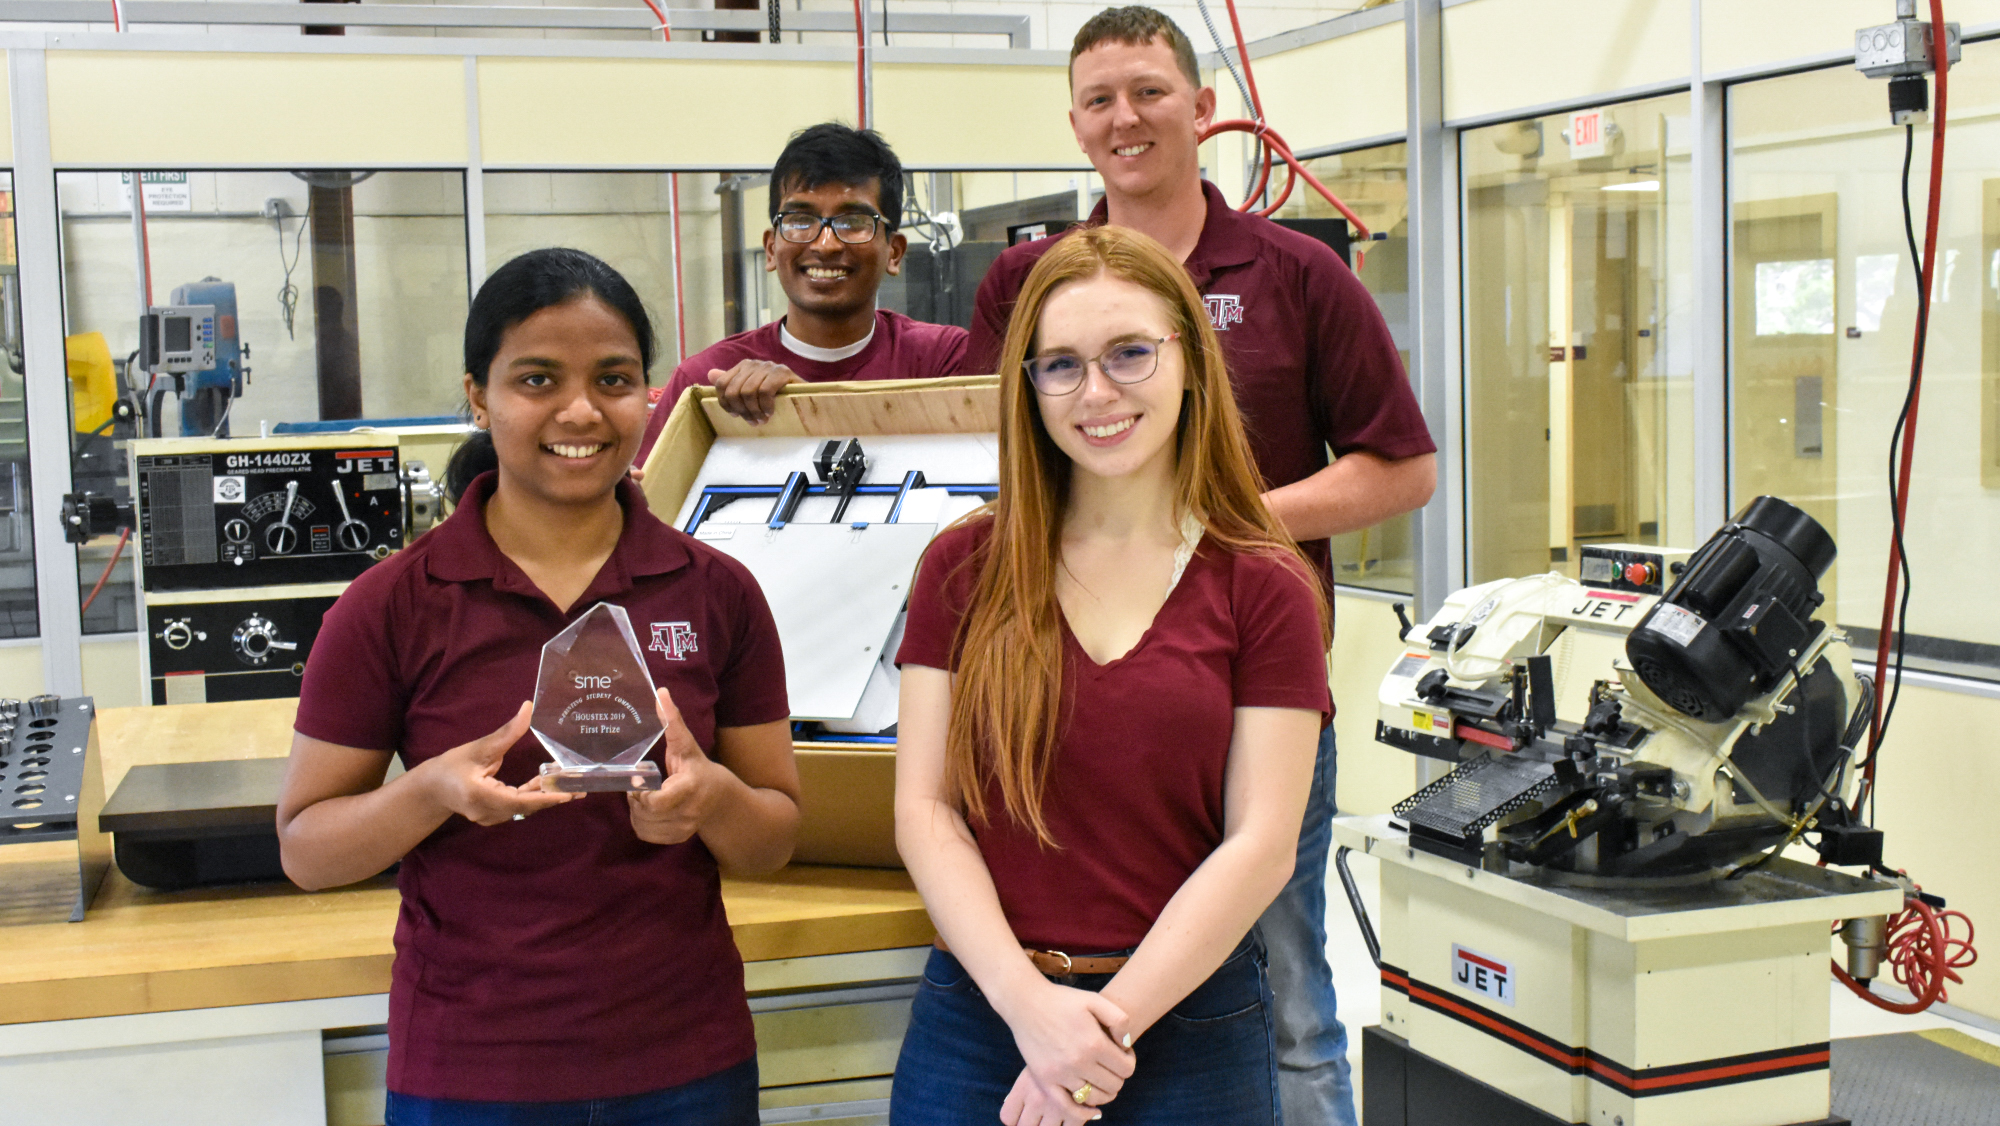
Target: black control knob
180,633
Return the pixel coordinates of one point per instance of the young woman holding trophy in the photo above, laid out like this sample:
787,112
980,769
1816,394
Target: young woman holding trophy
1112,686
560,957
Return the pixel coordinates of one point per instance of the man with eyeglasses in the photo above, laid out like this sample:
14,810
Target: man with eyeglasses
836,198
1313,367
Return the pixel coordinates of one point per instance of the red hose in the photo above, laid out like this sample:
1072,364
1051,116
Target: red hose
124,534
1901,501
680,301
662,17
1274,147
860,67
1924,954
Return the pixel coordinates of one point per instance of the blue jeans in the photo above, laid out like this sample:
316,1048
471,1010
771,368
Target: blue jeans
1208,1062
727,1098
1313,1078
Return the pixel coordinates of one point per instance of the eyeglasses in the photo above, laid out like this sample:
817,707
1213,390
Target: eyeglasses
851,227
1129,361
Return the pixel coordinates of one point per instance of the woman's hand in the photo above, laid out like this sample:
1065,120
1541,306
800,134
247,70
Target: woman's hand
1068,1037
462,781
694,783
1034,1103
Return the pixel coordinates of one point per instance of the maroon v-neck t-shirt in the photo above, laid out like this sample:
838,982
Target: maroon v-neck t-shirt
1310,358
1135,790
900,349
560,957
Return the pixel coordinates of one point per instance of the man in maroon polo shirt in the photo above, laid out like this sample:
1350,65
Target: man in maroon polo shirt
1313,366
836,200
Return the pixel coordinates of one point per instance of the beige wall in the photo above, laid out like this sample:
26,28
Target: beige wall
1737,34
314,110
1509,54
1331,91
922,110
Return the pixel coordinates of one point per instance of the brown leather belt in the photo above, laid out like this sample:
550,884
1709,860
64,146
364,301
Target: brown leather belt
1055,963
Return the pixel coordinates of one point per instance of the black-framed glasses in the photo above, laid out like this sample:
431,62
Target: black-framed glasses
851,227
1128,361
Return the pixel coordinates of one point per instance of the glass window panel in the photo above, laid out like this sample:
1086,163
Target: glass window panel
350,293
1578,331
625,218
1374,182
1815,177
18,614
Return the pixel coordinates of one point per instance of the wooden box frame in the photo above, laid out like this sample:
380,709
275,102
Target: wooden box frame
848,815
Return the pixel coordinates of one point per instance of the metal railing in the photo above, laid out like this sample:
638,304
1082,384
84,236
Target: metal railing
455,16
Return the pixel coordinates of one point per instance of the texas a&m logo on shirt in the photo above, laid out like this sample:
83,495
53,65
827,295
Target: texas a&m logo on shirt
1224,309
675,640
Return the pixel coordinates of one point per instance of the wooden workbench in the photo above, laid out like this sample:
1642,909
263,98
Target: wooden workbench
143,951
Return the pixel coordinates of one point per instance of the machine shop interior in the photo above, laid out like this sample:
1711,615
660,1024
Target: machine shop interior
1613,846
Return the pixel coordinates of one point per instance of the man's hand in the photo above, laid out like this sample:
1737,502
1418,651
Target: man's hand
750,389
462,779
675,812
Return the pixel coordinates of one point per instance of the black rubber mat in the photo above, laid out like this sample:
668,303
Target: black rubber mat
1906,1079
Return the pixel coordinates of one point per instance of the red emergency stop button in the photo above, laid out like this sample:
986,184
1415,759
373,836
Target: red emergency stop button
1641,574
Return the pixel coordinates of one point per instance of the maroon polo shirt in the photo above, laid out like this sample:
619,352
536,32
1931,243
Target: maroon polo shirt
900,349
1309,355
559,957
1135,789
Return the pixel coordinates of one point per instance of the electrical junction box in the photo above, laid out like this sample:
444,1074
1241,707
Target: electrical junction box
1900,48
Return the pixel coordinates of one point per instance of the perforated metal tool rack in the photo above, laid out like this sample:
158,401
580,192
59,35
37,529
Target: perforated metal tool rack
51,787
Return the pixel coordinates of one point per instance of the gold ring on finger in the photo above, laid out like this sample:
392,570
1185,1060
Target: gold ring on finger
1081,1095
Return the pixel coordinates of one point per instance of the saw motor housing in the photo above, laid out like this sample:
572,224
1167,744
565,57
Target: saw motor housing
1587,740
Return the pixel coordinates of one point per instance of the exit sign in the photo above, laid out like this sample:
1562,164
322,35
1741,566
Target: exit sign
1586,134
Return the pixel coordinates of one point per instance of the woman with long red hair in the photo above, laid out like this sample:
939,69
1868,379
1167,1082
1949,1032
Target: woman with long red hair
1113,680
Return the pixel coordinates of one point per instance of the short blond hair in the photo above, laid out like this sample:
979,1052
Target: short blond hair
1135,25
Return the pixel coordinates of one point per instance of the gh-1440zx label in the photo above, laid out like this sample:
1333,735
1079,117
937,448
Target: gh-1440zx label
269,462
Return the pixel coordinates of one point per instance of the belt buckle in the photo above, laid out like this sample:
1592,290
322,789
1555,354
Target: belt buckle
1068,966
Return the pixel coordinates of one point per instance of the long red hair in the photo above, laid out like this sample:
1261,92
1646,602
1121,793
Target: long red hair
1006,700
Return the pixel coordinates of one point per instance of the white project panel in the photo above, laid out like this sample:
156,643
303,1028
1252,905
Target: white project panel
835,591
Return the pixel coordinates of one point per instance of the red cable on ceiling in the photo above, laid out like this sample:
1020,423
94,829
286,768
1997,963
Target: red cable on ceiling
860,66
1274,146
662,17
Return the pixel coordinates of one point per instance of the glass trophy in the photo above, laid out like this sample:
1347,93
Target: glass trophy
594,706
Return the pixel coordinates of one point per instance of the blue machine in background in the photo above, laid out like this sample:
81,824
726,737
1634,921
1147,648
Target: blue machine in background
207,393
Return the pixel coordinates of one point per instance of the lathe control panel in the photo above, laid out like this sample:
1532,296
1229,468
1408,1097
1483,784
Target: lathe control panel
231,514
